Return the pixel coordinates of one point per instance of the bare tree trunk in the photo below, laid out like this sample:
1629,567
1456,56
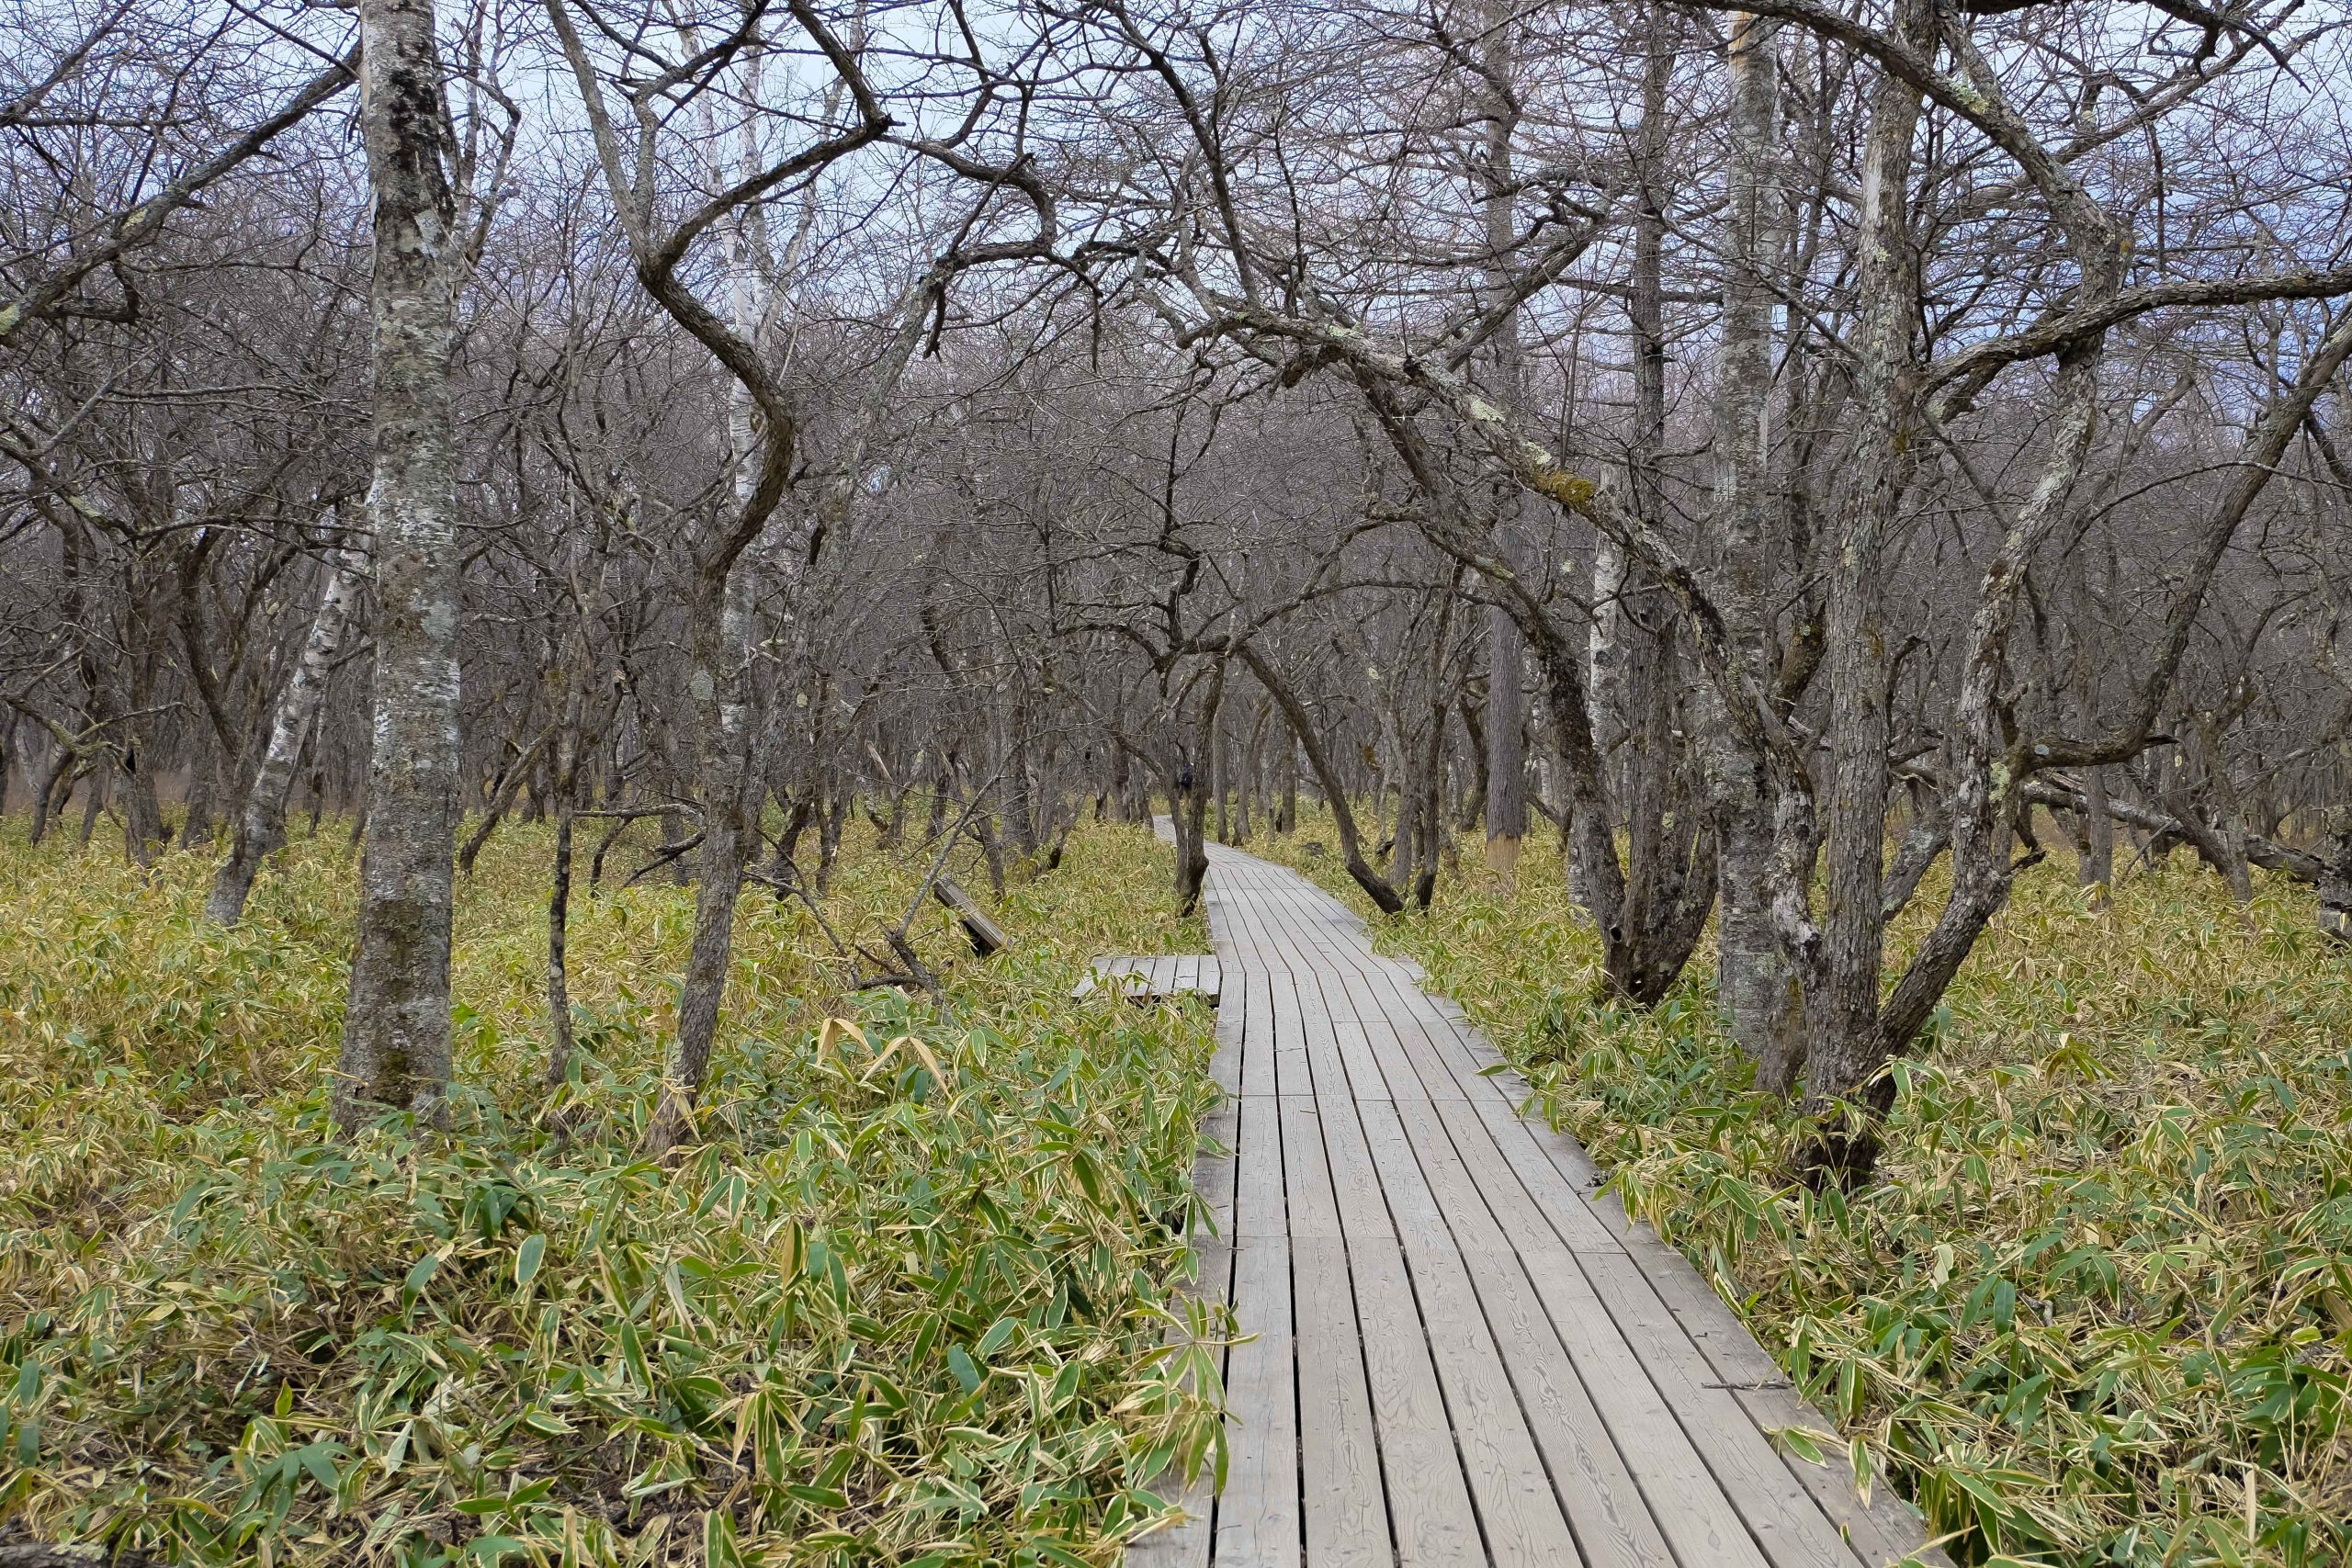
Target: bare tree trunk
1248,789
2229,807
721,650
143,815
499,798
561,1044
2095,868
48,797
1669,873
396,1027
1184,821
579,670
1842,997
1122,784
1605,659
1434,835
93,802
1404,857
1505,763
1190,802
1505,743
261,825
1334,795
1754,983
1213,753
317,777
196,827
1474,726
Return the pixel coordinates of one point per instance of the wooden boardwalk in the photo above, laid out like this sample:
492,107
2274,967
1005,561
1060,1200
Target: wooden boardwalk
1150,979
1457,1357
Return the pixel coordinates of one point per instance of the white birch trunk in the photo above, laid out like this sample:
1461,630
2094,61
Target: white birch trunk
261,825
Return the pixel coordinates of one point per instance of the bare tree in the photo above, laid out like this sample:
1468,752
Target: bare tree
396,1025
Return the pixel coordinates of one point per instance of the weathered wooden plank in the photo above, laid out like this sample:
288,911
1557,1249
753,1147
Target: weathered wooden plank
1612,1521
1149,979
1258,1516
1732,1352
1292,1074
1516,1508
1692,1511
983,932
1259,1212
1214,1174
1232,1038
1261,1030
1369,1077
1430,1510
1783,1516
1527,1151
1780,1522
1367,1041
1463,1054
1345,1503
1362,1209
1885,1530
1314,1211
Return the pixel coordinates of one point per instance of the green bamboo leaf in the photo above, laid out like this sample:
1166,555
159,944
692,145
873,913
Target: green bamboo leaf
527,1258
420,1275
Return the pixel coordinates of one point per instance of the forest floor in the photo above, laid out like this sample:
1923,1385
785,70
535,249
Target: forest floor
906,1302
2098,1308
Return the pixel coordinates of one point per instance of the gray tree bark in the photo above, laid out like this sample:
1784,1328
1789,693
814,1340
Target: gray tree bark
396,1025
1753,983
1669,867
2095,868
1842,994
261,825
1506,715
718,685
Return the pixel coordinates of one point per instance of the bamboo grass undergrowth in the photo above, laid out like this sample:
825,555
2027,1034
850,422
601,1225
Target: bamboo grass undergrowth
906,1300
2097,1309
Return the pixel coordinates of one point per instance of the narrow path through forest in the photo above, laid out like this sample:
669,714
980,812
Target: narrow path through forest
1459,1356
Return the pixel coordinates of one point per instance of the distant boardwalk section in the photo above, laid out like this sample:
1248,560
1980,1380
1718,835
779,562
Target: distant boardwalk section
1457,1358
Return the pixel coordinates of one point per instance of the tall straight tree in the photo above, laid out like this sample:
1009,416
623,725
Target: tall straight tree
396,1026
1752,977
1506,717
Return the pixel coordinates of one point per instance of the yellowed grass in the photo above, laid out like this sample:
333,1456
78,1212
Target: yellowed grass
906,1303
2098,1308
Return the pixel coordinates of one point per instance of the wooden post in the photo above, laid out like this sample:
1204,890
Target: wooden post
985,936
